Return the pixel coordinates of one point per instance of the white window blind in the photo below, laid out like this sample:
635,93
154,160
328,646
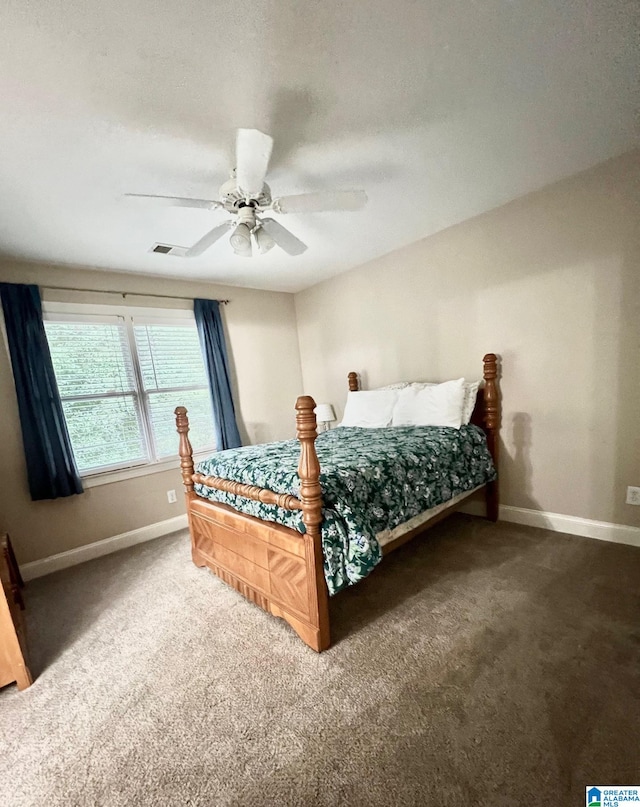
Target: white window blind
120,379
173,374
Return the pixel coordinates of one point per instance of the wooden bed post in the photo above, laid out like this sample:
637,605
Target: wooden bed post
185,451
311,498
354,383
492,428
186,467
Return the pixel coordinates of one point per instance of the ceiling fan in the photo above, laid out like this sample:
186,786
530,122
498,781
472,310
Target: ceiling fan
247,196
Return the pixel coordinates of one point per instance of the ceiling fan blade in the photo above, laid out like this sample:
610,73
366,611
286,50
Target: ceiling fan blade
208,240
283,238
174,201
319,202
253,151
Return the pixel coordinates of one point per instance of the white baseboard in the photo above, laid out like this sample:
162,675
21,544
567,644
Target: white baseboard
573,525
71,557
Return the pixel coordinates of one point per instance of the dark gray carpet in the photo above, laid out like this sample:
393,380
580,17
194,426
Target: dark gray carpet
480,665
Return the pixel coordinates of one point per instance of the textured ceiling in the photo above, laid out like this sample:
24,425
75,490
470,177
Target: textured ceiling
439,110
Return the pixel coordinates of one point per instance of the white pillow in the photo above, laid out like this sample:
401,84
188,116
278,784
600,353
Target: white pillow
372,409
397,385
470,395
430,405
469,403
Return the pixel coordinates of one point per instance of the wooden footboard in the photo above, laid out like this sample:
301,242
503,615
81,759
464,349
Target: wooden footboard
277,568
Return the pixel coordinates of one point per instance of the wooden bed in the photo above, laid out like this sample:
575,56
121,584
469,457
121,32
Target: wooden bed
278,568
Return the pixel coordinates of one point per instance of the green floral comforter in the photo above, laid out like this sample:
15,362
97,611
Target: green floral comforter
372,480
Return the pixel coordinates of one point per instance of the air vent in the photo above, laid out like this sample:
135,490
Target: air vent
168,249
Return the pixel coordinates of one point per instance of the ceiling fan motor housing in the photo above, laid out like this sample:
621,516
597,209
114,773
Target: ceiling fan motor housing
233,198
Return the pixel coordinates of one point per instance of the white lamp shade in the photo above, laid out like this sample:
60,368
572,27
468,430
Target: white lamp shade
325,413
264,241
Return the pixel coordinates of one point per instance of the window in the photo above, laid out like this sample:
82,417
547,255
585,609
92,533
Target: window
121,374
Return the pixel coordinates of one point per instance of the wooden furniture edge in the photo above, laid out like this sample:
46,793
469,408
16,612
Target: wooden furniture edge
11,564
13,661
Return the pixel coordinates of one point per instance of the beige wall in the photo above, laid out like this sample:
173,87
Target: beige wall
260,326
551,282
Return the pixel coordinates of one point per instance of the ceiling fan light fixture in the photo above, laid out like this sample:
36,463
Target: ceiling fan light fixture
243,253
241,239
264,241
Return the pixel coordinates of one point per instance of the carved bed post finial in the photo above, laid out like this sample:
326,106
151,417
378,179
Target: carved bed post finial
309,467
354,383
185,451
492,426
311,498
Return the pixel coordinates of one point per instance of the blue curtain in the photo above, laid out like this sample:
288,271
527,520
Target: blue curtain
214,351
51,467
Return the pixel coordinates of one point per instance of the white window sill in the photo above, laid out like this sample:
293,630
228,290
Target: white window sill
107,477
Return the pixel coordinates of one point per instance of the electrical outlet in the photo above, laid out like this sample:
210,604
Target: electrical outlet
633,495
171,496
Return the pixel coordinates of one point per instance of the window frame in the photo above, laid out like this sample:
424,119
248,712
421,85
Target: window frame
86,312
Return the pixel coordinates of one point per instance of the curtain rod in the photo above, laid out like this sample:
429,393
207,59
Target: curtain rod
124,294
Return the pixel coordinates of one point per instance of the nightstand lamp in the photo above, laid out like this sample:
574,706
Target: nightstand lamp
325,415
